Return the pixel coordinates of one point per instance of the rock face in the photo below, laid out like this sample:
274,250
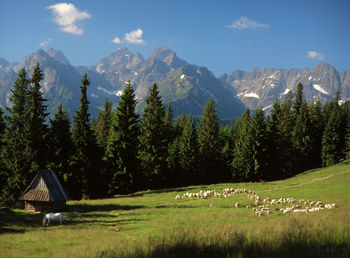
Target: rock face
188,87
261,87
60,82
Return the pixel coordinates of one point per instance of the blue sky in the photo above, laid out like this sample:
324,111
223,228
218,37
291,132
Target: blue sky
221,35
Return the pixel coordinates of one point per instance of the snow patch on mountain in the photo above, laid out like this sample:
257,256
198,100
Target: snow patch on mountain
94,95
251,95
320,89
106,91
286,91
267,107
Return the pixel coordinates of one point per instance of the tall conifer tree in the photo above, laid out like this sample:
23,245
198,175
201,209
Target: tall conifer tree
16,162
86,155
242,155
285,127
301,138
153,140
2,139
103,124
210,147
60,146
331,140
36,128
258,134
298,100
188,152
316,131
122,145
2,128
274,147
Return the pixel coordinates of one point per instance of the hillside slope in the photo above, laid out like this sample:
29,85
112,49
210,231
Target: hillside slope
155,224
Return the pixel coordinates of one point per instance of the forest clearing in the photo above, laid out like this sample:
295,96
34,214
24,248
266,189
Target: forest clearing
155,224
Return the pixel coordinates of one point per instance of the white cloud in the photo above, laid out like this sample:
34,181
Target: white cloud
66,15
245,23
45,42
315,55
117,40
134,37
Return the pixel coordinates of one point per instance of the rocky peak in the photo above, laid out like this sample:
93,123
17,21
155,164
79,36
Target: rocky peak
119,58
137,61
58,56
29,62
3,63
161,53
323,68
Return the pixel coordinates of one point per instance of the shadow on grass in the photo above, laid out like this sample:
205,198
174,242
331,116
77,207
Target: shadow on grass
166,190
16,222
101,207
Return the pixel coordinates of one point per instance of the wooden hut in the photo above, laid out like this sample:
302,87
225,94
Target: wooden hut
45,193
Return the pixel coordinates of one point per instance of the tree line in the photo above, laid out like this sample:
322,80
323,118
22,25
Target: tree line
122,152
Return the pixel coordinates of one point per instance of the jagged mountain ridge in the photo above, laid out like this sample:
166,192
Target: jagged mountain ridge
109,75
262,86
188,87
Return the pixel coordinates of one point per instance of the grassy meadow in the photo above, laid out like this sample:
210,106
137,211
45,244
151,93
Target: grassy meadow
154,224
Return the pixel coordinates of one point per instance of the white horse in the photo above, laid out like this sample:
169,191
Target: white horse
52,217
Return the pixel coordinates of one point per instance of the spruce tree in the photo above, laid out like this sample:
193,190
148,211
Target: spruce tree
36,128
258,134
103,124
122,146
298,101
188,152
242,156
174,172
85,160
346,112
274,147
153,141
169,124
285,127
14,156
2,139
316,131
330,141
2,128
227,135
333,138
301,138
60,146
210,147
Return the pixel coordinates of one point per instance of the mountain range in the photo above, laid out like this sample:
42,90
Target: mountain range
186,86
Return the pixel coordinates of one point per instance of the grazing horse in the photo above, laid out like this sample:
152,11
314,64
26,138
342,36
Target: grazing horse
52,217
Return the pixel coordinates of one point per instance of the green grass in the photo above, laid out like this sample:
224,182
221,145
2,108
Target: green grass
154,224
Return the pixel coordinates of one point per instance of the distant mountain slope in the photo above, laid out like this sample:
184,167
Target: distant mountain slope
188,87
262,86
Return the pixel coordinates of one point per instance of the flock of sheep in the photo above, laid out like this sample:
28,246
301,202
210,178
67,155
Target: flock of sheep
263,206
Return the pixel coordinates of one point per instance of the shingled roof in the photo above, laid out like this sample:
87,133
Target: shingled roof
45,188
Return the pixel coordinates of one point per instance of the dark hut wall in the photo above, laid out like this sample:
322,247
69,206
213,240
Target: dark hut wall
44,206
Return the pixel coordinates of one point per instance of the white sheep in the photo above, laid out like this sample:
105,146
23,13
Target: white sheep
301,211
237,205
260,213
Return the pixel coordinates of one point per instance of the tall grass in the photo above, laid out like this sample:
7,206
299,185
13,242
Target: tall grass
297,236
154,224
